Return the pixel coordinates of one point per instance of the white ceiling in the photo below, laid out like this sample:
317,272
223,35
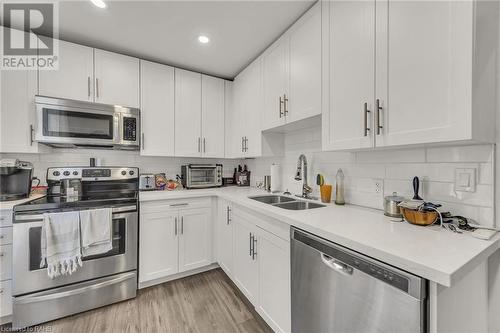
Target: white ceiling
166,31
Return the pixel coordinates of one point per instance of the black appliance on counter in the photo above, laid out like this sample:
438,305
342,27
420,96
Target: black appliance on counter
104,278
15,179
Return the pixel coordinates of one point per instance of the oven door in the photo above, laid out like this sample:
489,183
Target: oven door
28,276
74,124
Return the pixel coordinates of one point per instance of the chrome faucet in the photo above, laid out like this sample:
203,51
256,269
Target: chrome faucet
301,174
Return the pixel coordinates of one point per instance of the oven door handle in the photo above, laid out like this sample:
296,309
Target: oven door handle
39,217
41,298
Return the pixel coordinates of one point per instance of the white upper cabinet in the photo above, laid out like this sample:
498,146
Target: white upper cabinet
423,68
304,98
188,141
116,79
251,116
275,63
74,78
349,68
17,111
157,109
292,73
212,116
426,71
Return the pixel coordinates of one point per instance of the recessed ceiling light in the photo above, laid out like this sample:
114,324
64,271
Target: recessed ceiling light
203,39
99,3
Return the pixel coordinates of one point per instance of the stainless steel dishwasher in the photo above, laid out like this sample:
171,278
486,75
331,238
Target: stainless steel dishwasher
336,290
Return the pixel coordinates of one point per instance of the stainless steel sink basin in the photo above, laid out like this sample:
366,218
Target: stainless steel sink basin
299,205
272,199
286,202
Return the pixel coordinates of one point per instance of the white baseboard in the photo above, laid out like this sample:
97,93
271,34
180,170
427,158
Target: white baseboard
146,284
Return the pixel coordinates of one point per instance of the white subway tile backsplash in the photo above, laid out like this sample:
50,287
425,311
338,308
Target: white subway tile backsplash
396,168
476,153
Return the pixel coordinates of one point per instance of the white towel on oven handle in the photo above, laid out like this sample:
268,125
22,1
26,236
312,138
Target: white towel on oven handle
60,243
96,228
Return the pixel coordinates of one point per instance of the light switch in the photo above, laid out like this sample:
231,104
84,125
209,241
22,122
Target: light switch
465,179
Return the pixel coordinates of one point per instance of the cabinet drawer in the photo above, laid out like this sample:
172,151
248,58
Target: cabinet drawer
5,298
166,205
5,262
5,235
5,218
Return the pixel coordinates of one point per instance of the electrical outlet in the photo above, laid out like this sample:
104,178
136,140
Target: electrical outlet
378,185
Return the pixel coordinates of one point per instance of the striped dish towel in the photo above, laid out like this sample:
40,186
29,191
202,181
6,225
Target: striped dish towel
61,248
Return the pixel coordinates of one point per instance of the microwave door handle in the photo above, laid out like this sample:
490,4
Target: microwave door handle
117,136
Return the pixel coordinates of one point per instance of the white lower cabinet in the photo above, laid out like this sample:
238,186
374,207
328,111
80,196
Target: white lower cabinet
261,267
246,268
194,238
174,237
224,237
158,254
5,265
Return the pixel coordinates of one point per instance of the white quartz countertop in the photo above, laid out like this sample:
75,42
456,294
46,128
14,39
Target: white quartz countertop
11,204
430,252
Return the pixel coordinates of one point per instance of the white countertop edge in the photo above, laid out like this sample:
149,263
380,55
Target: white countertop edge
442,277
9,205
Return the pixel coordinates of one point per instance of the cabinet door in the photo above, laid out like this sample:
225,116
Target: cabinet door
187,113
275,82
424,75
212,116
305,67
5,262
224,237
233,145
17,111
349,37
157,109
116,79
245,268
274,281
158,245
252,104
195,239
5,299
74,78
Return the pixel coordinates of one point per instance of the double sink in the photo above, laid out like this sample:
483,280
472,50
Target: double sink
286,202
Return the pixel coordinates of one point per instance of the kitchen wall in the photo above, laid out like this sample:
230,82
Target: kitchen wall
393,169
146,164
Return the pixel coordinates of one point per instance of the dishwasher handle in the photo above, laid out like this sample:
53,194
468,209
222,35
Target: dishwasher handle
336,265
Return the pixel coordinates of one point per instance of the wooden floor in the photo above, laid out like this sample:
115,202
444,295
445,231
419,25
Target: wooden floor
207,302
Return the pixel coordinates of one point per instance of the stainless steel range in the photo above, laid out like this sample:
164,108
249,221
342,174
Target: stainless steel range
103,279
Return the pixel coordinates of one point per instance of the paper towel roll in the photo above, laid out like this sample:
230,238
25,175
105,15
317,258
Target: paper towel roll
275,178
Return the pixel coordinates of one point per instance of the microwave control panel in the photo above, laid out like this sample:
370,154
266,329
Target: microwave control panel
129,128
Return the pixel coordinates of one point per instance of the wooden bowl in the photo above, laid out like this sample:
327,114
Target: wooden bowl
419,217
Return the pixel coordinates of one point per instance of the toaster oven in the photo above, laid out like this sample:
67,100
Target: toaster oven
201,175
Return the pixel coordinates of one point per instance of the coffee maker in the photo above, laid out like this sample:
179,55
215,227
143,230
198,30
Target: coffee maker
15,179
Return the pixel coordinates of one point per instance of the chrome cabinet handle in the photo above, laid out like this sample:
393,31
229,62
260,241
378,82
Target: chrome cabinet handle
2,236
179,204
365,113
336,264
88,86
251,243
204,145
254,253
97,87
2,254
281,106
2,218
142,139
242,140
285,101
1,291
175,225
228,217
182,225
378,108
32,129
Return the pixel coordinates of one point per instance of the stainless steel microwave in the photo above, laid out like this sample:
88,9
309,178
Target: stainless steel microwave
201,175
70,123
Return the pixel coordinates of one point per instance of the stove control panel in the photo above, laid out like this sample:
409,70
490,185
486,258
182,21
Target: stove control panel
91,173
